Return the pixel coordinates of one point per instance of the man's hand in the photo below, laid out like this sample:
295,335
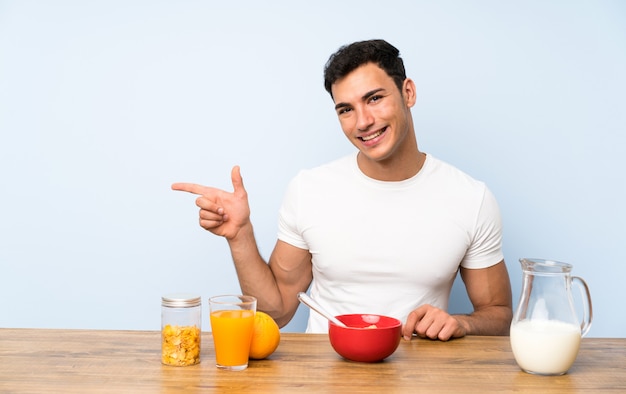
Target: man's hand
489,290
222,213
428,321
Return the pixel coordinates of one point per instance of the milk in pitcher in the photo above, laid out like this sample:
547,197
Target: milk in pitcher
545,347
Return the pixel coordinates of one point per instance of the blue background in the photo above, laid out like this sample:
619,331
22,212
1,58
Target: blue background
104,104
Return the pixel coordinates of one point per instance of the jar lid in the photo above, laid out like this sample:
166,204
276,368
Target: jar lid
180,300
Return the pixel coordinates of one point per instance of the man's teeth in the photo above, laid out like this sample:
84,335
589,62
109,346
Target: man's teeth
372,136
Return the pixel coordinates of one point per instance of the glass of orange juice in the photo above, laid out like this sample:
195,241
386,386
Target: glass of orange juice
232,322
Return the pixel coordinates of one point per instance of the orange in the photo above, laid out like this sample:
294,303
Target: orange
265,337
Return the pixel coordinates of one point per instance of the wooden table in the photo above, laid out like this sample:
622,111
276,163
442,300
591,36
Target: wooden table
86,361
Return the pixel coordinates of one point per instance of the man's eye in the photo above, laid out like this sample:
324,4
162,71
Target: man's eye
343,111
373,99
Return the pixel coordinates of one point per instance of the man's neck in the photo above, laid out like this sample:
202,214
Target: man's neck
398,168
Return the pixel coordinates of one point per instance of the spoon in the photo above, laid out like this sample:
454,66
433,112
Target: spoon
311,303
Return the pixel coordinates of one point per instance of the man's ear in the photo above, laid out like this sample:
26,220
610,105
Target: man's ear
408,92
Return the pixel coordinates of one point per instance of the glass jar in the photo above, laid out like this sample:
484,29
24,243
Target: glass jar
181,321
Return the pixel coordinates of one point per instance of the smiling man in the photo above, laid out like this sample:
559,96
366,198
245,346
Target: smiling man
384,230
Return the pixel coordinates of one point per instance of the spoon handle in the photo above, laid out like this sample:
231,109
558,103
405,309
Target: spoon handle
311,303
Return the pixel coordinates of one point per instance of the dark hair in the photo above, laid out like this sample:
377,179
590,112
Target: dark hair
349,57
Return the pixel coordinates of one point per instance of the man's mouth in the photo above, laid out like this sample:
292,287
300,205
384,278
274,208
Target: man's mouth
373,135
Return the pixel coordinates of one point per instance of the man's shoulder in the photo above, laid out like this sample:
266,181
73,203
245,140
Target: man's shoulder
331,169
323,181
444,169
447,177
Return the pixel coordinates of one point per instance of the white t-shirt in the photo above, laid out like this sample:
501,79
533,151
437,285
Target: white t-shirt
388,247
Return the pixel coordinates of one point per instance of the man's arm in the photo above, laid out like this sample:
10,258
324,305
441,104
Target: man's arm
489,290
275,285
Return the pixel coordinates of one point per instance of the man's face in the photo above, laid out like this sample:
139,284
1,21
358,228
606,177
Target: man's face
373,114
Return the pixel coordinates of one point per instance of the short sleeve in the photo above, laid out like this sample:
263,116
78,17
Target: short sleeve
486,247
288,230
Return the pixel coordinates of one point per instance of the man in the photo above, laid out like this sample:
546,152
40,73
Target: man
382,231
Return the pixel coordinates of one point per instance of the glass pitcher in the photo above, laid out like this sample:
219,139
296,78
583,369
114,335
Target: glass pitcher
545,331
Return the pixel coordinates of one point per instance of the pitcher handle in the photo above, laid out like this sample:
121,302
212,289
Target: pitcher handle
587,307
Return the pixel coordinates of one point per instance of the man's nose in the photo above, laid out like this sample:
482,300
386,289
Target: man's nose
364,120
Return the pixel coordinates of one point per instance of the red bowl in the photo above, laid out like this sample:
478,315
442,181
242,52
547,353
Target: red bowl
368,338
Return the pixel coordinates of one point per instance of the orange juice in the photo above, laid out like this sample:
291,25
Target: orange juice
232,334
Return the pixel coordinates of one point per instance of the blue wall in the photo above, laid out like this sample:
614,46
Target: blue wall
104,104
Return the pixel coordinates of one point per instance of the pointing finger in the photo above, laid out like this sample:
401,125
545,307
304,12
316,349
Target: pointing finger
191,188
